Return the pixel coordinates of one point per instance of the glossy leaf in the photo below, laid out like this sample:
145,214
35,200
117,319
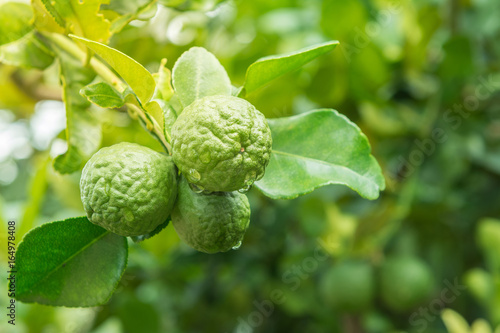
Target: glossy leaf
137,77
103,95
319,148
198,73
269,68
14,21
26,52
80,17
83,132
69,263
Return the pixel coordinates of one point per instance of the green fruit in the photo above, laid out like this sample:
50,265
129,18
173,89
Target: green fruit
128,189
349,286
213,222
221,143
405,282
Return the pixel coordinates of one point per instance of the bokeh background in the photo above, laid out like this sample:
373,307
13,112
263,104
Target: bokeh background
421,79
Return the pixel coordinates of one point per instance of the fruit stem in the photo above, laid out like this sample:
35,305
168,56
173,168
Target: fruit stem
156,130
70,47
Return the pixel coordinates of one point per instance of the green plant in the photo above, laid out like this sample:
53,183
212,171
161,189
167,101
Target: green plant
211,222
221,143
309,150
349,286
455,323
128,189
405,282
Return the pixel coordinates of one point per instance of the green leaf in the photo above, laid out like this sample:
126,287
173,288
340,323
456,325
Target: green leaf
196,74
269,68
319,148
137,77
103,95
155,232
14,21
46,17
129,10
481,326
26,52
480,284
169,116
83,131
80,17
454,322
50,7
18,44
164,89
154,110
488,237
70,263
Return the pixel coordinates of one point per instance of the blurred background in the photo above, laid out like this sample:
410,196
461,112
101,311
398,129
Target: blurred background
421,79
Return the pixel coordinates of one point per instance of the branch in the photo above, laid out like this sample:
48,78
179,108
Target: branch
70,47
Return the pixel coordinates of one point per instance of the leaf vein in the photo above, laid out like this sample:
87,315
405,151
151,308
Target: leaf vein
69,258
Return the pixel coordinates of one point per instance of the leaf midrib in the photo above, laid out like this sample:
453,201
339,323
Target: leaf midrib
322,162
68,259
198,80
107,96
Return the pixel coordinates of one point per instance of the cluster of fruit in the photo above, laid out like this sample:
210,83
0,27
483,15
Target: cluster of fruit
220,144
403,281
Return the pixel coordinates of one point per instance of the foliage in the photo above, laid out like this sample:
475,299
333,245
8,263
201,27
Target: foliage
418,78
196,74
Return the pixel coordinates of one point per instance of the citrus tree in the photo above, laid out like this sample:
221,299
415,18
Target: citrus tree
215,146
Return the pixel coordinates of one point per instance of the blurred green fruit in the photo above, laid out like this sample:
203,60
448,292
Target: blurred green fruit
405,282
213,222
349,286
221,143
128,189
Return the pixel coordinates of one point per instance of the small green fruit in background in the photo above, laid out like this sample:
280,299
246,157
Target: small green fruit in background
128,189
213,222
405,282
221,143
349,286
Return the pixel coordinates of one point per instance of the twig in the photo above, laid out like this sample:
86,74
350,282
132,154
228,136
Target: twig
70,47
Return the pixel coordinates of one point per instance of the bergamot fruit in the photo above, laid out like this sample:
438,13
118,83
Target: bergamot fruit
349,286
128,189
213,222
221,143
405,282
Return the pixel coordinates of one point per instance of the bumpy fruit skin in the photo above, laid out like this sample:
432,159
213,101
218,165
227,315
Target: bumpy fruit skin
349,286
128,189
213,222
405,282
221,143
